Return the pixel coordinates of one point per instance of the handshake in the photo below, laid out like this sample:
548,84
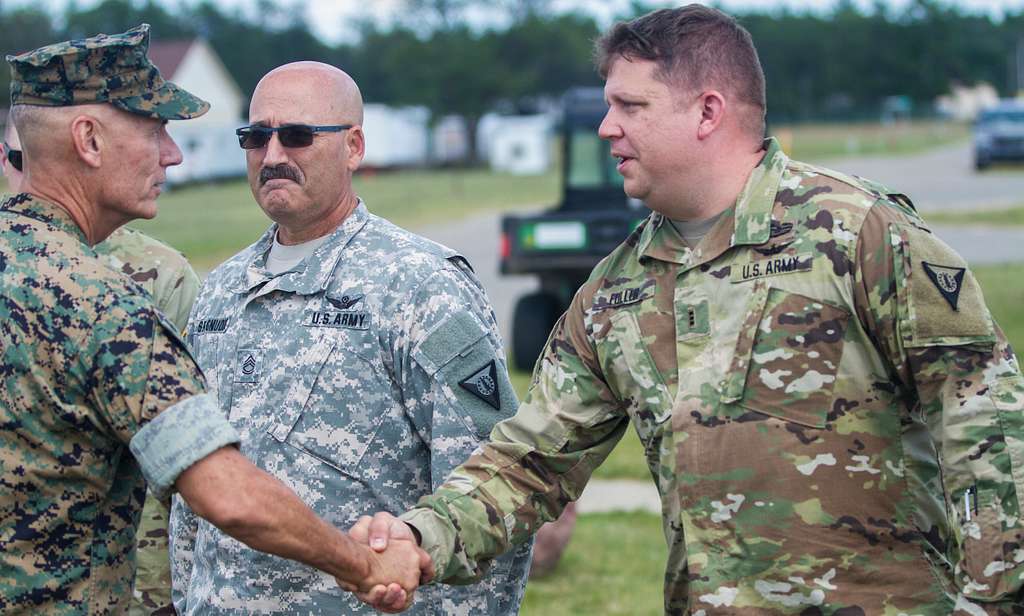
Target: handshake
395,564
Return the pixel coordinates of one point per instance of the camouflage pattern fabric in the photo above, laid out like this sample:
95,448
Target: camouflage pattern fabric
833,420
166,275
102,69
99,396
360,378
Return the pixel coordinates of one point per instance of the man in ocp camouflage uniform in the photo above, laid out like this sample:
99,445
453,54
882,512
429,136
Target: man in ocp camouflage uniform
833,419
360,362
171,281
99,392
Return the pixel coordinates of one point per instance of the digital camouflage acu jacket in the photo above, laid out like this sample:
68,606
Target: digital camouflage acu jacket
832,418
166,275
360,378
90,370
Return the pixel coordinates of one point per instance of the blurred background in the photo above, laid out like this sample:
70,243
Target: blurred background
479,136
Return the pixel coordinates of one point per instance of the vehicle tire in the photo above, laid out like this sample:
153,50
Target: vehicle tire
532,320
980,164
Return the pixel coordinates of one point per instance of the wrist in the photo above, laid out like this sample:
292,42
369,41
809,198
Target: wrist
415,532
352,562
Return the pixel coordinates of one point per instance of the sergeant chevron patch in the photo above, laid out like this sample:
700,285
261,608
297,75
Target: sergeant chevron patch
484,385
948,280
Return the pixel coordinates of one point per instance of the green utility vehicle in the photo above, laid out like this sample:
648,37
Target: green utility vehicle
563,244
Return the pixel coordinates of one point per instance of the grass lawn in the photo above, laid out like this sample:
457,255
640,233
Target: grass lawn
614,565
212,222
996,218
814,142
1003,286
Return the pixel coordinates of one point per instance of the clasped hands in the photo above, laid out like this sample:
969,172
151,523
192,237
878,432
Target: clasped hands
397,565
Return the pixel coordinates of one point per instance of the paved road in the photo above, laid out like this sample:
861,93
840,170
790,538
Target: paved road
936,180
941,179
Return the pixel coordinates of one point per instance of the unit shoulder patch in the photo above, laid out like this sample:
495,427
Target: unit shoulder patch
483,384
948,280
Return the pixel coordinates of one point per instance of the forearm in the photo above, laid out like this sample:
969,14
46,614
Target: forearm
258,510
499,498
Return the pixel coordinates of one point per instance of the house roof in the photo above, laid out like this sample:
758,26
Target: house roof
167,55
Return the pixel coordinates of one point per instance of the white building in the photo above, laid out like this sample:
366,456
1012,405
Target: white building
520,145
395,136
208,143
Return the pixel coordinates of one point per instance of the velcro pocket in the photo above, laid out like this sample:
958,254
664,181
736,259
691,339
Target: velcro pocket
787,357
991,547
463,360
450,338
940,301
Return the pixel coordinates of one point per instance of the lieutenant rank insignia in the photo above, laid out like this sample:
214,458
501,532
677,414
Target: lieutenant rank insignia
948,280
484,385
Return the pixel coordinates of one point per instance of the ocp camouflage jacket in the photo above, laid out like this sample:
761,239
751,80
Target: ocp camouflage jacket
832,417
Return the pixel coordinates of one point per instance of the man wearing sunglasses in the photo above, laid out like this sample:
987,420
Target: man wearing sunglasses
98,394
170,280
359,362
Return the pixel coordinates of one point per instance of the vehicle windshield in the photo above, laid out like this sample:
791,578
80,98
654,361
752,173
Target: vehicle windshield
590,161
993,115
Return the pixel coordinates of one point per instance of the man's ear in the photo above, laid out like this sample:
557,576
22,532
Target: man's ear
712,112
87,139
356,142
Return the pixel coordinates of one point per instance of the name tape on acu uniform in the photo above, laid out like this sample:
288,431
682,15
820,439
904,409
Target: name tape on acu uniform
210,326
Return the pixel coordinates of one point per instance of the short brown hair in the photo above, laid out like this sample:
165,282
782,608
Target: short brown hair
694,47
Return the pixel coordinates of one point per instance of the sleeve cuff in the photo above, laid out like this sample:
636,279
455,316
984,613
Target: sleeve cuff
179,437
436,537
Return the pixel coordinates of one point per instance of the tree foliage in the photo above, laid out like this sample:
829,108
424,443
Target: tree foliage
840,64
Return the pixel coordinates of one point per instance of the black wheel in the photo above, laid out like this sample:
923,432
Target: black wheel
980,163
532,320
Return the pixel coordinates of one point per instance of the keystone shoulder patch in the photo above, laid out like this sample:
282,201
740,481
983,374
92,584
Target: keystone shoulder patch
484,384
948,280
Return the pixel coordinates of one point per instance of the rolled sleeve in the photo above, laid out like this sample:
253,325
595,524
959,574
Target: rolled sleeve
179,437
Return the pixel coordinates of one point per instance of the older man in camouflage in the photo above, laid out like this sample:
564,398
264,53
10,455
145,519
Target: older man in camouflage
98,389
359,362
832,416
167,276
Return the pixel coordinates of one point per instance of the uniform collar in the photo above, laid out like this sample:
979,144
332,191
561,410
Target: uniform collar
312,274
747,223
33,207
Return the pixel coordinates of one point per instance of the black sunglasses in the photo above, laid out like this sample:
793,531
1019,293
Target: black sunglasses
14,156
291,135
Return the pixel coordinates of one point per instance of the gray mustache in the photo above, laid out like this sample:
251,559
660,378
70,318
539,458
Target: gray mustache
279,172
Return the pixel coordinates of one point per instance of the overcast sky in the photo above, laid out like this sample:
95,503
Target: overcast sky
328,17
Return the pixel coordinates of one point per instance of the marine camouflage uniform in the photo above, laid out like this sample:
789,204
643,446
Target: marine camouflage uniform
166,275
832,418
89,368
98,389
360,378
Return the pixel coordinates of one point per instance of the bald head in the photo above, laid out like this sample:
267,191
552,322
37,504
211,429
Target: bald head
325,91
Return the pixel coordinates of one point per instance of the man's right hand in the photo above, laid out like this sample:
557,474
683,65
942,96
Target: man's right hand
380,529
385,533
